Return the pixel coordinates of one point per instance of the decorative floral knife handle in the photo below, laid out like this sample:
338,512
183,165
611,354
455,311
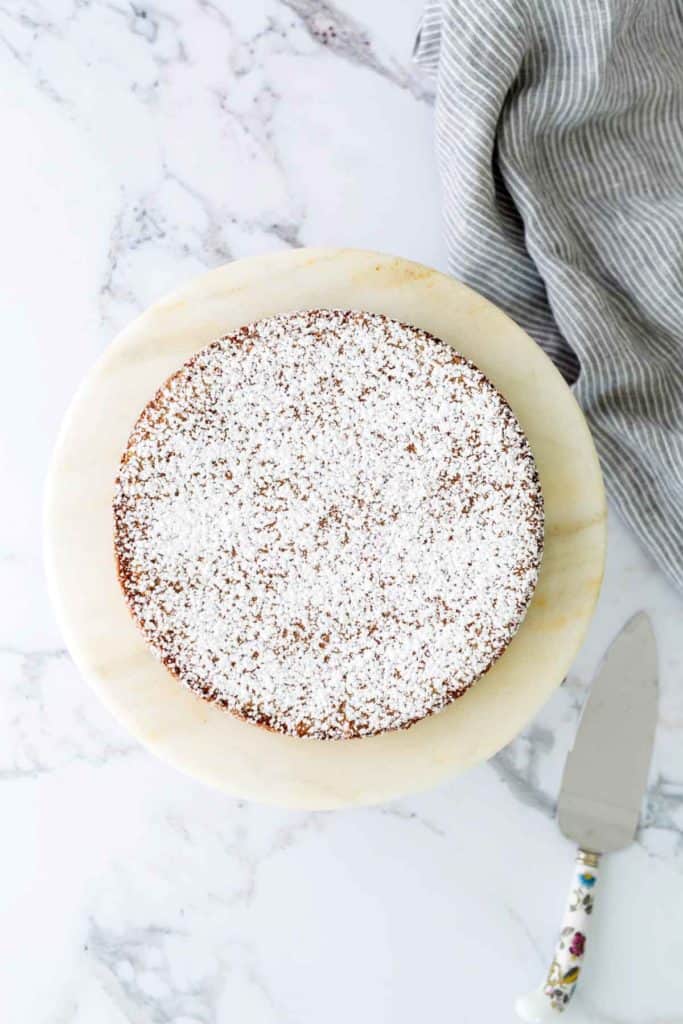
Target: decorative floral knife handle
553,997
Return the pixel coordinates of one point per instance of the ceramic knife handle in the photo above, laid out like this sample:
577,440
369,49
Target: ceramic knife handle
554,995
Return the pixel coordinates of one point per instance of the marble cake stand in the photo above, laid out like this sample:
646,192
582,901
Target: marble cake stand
208,742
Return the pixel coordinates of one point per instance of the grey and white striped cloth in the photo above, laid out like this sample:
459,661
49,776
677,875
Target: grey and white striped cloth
560,142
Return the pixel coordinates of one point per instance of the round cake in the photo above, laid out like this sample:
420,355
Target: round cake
329,523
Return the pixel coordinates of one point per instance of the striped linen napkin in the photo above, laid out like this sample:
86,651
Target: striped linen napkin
560,143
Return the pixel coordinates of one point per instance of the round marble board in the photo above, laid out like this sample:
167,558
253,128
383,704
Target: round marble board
207,741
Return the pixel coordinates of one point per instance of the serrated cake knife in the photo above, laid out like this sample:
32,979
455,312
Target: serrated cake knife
602,790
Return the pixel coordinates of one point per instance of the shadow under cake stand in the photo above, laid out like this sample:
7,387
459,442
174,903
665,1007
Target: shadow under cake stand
207,741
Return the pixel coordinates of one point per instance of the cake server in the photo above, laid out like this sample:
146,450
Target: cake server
602,789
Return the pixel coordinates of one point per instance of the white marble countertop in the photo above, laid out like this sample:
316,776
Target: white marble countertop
143,144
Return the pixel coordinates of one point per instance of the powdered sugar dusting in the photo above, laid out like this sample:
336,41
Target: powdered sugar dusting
328,522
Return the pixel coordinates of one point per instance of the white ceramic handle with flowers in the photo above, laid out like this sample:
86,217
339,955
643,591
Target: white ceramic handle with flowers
554,995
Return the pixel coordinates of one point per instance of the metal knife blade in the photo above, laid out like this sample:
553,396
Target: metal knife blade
606,771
